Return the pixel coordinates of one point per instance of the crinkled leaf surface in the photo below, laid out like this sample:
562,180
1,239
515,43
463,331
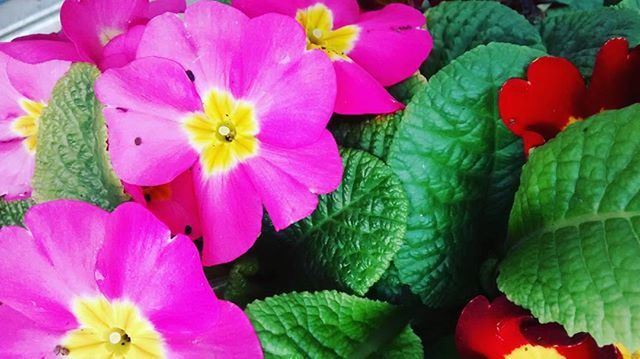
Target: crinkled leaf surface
578,35
629,4
12,212
351,238
460,167
72,160
331,325
459,26
575,224
582,4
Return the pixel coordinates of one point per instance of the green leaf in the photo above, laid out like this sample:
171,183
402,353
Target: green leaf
12,212
629,4
72,160
332,325
575,224
406,89
351,238
460,167
457,27
578,35
582,4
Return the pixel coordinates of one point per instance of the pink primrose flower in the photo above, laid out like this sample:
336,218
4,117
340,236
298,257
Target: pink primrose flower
369,50
80,282
24,93
242,103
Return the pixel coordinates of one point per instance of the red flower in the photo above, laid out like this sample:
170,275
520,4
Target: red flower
555,95
502,330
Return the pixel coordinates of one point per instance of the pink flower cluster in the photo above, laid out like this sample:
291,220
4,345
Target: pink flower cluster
212,115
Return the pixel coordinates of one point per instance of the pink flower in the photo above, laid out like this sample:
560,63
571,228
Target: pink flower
240,102
369,50
83,283
24,93
173,203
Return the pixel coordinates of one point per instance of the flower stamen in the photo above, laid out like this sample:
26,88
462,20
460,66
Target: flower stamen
317,21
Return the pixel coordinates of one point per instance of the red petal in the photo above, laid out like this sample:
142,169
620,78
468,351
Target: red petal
543,105
616,74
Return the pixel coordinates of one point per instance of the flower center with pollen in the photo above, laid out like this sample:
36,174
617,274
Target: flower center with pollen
27,125
534,352
225,134
111,330
317,21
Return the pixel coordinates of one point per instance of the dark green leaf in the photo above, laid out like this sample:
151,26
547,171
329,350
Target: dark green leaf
12,213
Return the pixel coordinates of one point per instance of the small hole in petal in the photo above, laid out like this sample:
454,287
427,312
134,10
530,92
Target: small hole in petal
122,109
188,230
138,141
191,76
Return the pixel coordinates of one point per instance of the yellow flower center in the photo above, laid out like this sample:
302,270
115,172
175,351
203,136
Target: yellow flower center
27,125
534,352
108,34
317,21
111,330
626,354
225,134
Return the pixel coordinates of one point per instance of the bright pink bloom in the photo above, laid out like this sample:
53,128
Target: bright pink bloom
240,101
24,93
92,26
84,283
34,49
174,204
369,50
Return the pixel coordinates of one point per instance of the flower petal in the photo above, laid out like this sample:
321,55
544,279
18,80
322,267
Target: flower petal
392,43
9,100
231,209
147,150
545,104
230,335
24,338
345,12
158,7
43,48
163,275
36,82
122,49
317,166
91,24
614,83
285,199
293,89
17,165
360,93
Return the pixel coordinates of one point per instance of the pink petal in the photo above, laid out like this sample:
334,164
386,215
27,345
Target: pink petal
285,199
36,82
205,45
360,93
345,12
9,100
230,335
147,150
36,50
317,166
122,49
293,89
24,338
16,165
91,24
158,7
41,275
161,274
392,43
231,212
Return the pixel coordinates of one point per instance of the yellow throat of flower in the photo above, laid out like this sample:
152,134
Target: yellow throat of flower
534,352
225,134
111,330
27,125
317,21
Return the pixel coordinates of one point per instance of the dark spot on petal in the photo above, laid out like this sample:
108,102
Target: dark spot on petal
191,76
60,350
138,141
147,197
405,27
122,109
188,230
127,338
199,244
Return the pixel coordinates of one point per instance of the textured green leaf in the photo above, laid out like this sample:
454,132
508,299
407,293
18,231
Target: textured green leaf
578,35
460,167
351,238
11,213
582,4
575,224
629,4
331,325
458,27
406,89
72,160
